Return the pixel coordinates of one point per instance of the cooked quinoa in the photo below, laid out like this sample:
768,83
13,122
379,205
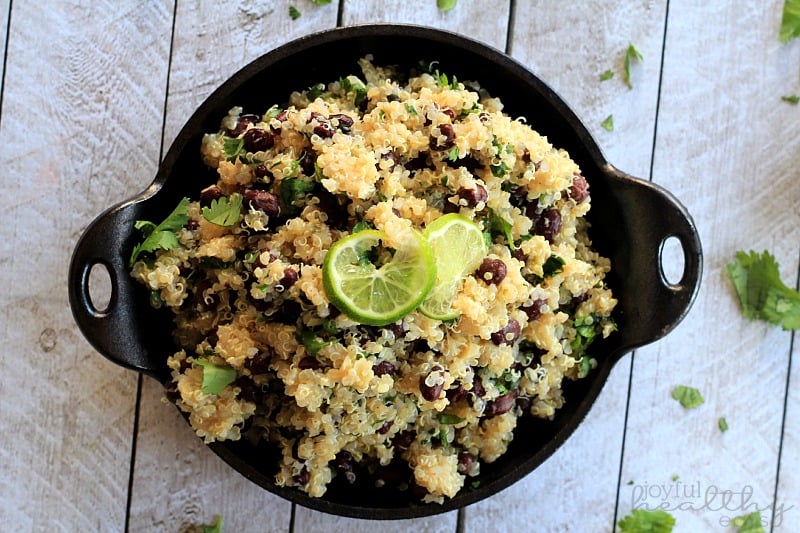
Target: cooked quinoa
339,398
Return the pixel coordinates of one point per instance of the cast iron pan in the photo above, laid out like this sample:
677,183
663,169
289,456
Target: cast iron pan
630,220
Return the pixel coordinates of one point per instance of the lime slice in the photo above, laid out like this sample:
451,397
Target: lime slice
458,249
377,295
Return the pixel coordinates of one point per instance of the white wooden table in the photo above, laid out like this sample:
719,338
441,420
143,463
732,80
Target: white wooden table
92,94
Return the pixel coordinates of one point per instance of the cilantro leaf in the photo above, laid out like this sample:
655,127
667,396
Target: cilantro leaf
499,225
224,211
761,292
294,13
216,527
689,397
321,2
792,99
552,266
161,236
291,190
644,521
607,75
313,343
446,5
608,123
215,377
723,424
631,55
231,147
790,21
749,523
449,419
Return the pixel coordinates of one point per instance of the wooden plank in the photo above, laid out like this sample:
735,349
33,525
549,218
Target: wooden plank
468,19
727,146
77,103
178,481
584,470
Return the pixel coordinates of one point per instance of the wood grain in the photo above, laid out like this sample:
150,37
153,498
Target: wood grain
727,146
74,106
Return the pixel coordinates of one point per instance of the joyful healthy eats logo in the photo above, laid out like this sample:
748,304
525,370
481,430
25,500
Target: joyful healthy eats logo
729,503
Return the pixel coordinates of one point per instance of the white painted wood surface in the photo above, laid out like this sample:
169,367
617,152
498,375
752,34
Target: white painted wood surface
93,91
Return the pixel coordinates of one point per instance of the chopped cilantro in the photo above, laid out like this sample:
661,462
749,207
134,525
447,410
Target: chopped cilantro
607,75
501,226
689,397
315,91
231,147
321,2
499,170
675,478
352,84
631,55
290,191
790,21
475,484
608,123
410,109
723,424
443,81
224,211
453,154
585,363
749,523
761,292
446,418
161,236
644,521
553,266
294,13
313,343
215,377
361,225
792,99
630,482
273,112
446,5
216,527
251,257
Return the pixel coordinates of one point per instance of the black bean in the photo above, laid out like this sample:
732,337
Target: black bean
261,171
303,477
402,441
309,363
383,368
472,196
259,263
492,271
172,393
519,255
508,335
449,138
258,140
330,205
241,124
191,225
468,162
477,387
524,403
345,464
323,127
532,210
449,112
397,329
418,163
388,156
259,363
205,302
465,462
289,278
345,122
307,163
456,394
210,193
549,224
384,429
501,404
288,313
394,473
431,392
263,201
248,389
579,190
534,309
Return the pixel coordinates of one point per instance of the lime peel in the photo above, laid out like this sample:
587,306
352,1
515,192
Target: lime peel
373,295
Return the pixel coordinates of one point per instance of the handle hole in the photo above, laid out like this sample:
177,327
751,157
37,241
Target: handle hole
99,287
672,260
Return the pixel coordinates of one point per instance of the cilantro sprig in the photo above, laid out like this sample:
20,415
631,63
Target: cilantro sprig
689,397
790,21
762,294
215,377
631,55
162,236
658,521
224,211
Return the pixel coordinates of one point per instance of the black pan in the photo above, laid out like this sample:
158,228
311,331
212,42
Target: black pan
630,218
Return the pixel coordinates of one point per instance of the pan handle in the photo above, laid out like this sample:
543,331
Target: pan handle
653,215
111,330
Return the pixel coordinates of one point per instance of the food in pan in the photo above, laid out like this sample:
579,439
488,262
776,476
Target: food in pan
387,274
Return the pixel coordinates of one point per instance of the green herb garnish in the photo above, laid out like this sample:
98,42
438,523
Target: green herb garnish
322,2
231,147
290,191
553,266
499,170
792,99
761,292
723,424
501,226
607,75
356,86
449,419
446,5
313,343
631,55
749,523
608,123
162,236
644,521
224,211
410,109
689,397
790,21
315,91
216,527
452,155
215,377
294,13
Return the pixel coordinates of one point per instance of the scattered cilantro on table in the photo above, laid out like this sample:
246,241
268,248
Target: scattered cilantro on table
631,55
446,5
792,99
294,13
749,523
216,527
761,292
790,21
607,75
644,521
215,377
723,424
161,236
321,2
608,123
224,211
689,397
